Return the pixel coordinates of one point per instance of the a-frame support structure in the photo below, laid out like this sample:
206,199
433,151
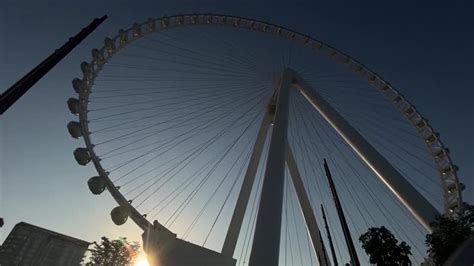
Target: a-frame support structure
266,243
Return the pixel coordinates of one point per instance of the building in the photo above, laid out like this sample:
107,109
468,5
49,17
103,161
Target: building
32,245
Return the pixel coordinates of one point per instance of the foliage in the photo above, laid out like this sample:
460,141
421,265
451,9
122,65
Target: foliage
383,248
116,252
448,233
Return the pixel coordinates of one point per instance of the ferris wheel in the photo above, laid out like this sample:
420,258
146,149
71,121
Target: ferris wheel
209,131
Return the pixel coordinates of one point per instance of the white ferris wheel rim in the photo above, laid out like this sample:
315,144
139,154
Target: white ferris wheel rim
451,186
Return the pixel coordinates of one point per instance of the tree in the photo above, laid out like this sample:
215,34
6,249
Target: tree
383,248
448,233
116,252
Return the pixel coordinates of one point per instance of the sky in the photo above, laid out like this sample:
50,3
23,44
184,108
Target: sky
425,49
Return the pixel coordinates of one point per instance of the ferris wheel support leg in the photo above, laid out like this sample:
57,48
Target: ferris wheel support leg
421,208
266,243
305,205
244,194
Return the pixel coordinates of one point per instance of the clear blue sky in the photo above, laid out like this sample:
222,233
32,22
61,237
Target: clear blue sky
424,48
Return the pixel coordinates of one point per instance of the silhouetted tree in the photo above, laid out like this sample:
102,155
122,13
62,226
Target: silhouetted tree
383,248
448,233
116,252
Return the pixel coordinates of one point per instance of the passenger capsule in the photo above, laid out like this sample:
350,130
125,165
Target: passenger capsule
136,30
78,85
74,129
151,26
119,215
96,185
236,22
431,138
98,56
451,188
439,154
409,111
109,45
421,124
86,69
164,22
453,208
449,170
397,99
73,105
123,36
82,156
194,19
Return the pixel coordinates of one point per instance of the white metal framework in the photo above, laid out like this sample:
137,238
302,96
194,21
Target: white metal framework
424,212
402,189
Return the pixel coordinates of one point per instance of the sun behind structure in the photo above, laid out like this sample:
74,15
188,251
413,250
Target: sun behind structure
142,261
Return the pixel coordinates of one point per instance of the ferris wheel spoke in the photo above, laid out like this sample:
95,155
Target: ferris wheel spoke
381,208
190,227
250,228
209,142
293,207
216,70
177,88
235,52
197,188
178,107
238,175
170,147
229,66
194,131
185,51
373,128
402,158
185,116
342,174
194,150
158,91
175,45
189,106
352,197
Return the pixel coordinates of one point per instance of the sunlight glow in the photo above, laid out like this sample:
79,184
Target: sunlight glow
142,261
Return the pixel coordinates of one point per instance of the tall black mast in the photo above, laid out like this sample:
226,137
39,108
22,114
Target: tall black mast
342,218
331,245
11,95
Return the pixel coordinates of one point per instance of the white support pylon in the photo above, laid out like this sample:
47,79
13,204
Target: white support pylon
308,213
266,242
421,208
242,201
